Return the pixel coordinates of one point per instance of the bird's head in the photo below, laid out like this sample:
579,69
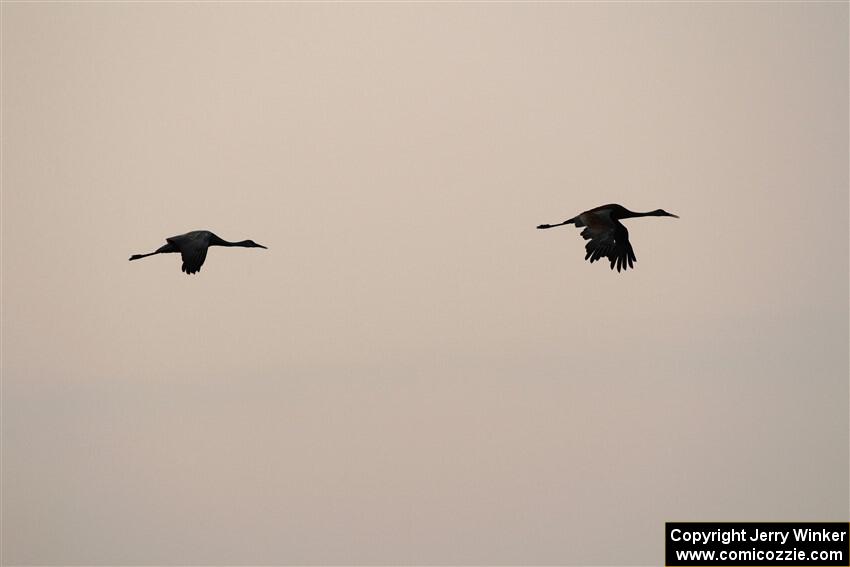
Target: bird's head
252,244
663,213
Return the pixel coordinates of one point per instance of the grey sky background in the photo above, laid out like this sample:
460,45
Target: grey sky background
412,374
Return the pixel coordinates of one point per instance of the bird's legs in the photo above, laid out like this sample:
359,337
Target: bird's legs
161,250
570,221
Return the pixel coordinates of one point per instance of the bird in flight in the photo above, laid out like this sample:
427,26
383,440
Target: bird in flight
607,236
193,248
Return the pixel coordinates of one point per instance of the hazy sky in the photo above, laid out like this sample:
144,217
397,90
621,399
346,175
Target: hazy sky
411,373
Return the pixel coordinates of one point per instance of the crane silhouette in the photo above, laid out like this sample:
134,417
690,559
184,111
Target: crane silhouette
193,248
607,236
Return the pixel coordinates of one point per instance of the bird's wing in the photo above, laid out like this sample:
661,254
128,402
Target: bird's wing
193,258
193,249
191,236
611,242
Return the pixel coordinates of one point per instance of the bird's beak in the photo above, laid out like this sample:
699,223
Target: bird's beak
261,246
674,216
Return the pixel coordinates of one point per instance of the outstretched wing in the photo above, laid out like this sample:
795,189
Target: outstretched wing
193,258
193,249
611,242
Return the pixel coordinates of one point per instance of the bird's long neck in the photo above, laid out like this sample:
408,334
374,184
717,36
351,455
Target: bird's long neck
216,241
627,214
